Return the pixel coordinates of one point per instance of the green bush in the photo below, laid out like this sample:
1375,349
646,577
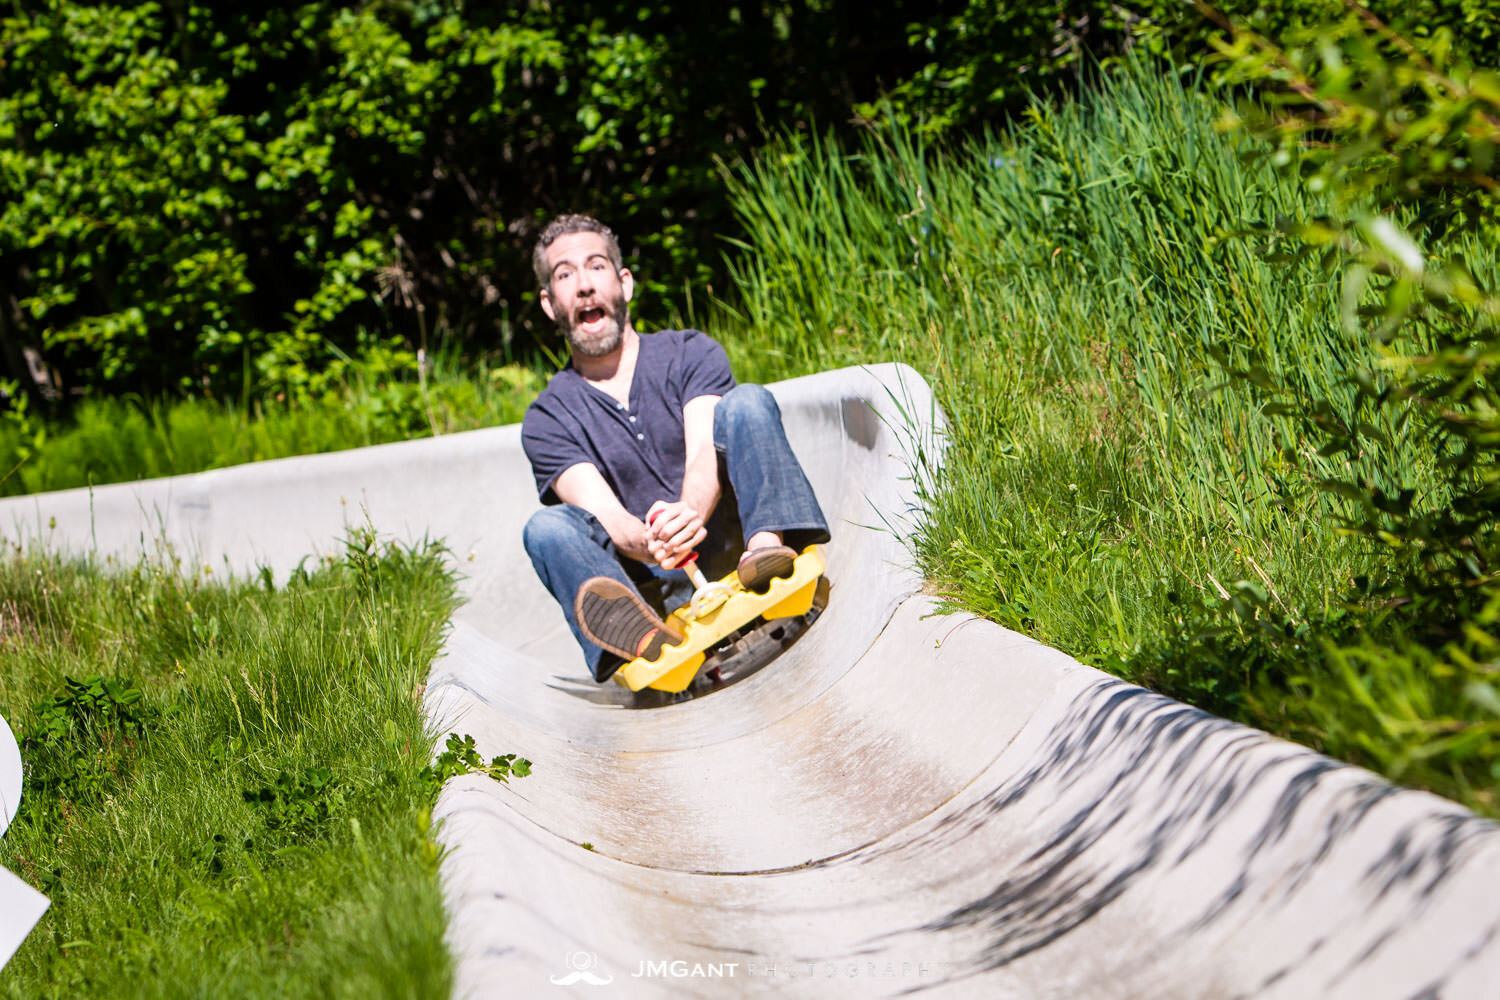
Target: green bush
1403,137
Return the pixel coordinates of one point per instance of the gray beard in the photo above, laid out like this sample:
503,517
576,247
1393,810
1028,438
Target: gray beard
608,339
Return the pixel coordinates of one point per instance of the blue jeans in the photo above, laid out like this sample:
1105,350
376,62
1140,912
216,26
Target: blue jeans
766,490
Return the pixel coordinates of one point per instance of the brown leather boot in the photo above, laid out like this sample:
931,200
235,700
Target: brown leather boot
614,617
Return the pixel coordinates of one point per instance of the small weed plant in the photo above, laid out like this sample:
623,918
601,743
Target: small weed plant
460,756
83,743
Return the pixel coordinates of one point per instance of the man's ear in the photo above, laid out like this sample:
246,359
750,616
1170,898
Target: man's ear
546,297
627,283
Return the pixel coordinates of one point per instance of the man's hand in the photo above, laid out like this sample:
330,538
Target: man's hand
673,529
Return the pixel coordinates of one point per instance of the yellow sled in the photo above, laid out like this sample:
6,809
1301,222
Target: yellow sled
674,669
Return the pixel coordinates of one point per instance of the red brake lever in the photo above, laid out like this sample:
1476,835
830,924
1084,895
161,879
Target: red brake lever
706,596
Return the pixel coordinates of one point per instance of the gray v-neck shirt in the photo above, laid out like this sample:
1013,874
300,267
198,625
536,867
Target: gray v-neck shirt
639,448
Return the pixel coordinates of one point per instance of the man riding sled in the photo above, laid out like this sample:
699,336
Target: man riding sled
645,449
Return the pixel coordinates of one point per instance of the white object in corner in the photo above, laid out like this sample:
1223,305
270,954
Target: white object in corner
21,906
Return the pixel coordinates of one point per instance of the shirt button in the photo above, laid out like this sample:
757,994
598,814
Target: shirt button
619,406
632,418
640,437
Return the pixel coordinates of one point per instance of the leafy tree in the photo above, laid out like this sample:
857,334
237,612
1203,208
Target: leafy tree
220,197
985,60
226,198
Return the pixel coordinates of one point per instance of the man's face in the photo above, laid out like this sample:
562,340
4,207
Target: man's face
585,296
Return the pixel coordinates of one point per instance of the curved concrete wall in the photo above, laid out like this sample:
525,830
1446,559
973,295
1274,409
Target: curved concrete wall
903,801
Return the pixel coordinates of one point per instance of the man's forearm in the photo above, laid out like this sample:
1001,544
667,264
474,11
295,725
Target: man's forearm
700,474
700,484
582,485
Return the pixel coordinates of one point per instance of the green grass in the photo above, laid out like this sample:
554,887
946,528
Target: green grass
1068,289
1063,288
231,797
366,401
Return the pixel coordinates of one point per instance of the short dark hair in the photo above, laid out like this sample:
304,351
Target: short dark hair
565,225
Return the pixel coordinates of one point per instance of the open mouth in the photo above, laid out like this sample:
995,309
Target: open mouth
590,315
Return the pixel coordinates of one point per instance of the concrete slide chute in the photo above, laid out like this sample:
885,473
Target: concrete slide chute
905,801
